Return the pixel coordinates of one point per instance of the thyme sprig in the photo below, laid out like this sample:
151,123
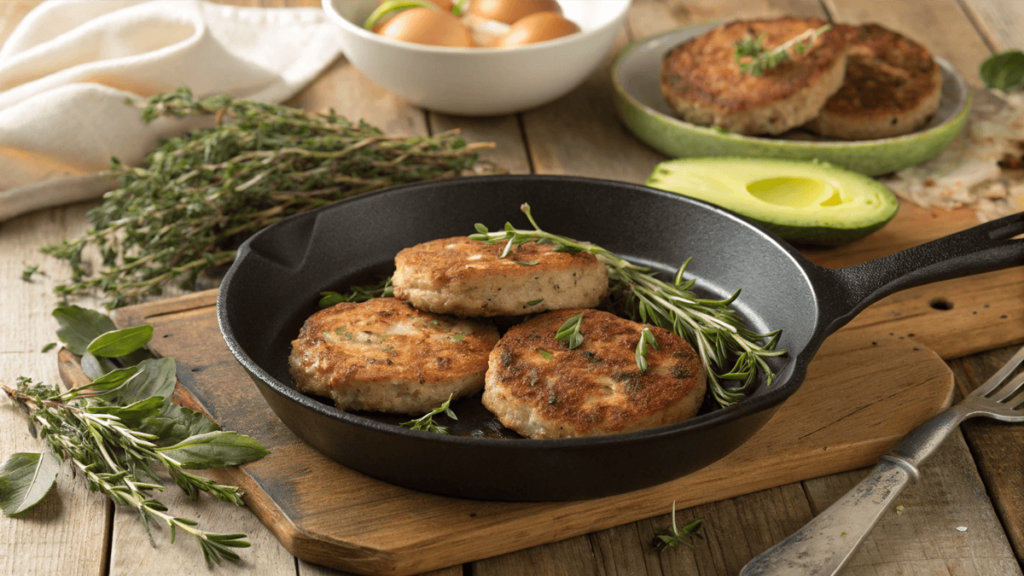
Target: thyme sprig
117,458
569,331
646,339
426,422
761,59
727,348
675,536
201,194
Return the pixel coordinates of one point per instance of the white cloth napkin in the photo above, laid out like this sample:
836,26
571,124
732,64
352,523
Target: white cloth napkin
68,67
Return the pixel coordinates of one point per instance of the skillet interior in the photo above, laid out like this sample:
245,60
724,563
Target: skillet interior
274,285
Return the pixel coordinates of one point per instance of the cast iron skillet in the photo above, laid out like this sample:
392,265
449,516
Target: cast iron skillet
275,283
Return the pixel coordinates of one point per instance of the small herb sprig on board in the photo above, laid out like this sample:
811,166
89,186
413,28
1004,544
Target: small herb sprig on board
675,536
727,348
202,194
117,428
761,59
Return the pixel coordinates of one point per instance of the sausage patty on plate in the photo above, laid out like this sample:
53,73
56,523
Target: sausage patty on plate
540,388
702,81
892,87
383,355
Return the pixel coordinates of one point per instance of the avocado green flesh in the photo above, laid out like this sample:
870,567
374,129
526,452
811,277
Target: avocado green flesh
803,202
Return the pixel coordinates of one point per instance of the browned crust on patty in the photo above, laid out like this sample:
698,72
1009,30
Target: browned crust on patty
702,80
892,87
385,355
596,388
468,278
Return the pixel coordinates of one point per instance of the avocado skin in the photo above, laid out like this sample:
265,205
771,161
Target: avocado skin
814,232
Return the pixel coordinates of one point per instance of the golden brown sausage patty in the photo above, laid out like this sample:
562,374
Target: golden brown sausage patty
467,278
540,388
702,81
892,86
386,356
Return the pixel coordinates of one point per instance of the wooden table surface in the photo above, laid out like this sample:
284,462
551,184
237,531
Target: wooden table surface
975,481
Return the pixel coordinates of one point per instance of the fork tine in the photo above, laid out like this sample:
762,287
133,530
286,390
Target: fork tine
1000,375
1010,389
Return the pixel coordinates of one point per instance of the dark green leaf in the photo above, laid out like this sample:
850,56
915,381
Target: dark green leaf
132,415
25,479
79,327
545,353
108,382
530,263
215,449
49,346
156,377
328,299
570,331
121,342
27,273
1004,71
534,302
176,424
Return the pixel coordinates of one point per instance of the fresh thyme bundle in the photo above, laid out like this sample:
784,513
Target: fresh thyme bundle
727,348
203,193
115,430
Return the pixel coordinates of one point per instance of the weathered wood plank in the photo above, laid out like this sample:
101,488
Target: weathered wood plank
1000,21
997,448
925,536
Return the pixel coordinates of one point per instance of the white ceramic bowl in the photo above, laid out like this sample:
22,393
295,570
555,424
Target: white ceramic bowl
480,81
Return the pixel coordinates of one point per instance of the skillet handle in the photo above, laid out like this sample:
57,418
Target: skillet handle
989,246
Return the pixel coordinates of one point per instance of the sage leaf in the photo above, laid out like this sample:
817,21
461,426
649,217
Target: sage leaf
94,367
121,342
79,327
107,383
215,449
176,424
133,414
1004,71
328,299
156,377
25,479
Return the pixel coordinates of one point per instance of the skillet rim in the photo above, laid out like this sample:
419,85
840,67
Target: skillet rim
778,393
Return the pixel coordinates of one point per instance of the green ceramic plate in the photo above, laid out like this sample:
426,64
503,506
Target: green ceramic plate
644,111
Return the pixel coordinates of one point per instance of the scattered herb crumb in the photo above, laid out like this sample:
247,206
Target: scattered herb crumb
460,336
26,274
534,302
545,353
531,263
899,509
843,533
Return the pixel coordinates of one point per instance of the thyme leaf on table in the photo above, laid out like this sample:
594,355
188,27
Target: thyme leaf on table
727,348
675,536
202,194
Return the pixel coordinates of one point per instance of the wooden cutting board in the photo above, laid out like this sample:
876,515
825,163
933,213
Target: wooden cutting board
862,393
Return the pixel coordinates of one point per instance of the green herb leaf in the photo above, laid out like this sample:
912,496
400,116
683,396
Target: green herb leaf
119,343
761,59
534,302
1004,71
646,339
49,346
570,331
177,424
94,367
134,414
545,353
215,449
156,377
531,263
426,422
105,384
25,479
382,289
390,6
26,274
79,327
675,536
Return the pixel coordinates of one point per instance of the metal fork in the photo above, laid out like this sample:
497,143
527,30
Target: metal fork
827,542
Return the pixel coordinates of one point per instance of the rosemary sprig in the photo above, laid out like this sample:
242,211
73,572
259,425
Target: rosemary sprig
675,536
761,59
383,289
202,194
569,331
426,422
727,348
646,338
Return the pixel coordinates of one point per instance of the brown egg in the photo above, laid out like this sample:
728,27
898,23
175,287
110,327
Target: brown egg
427,26
537,28
509,11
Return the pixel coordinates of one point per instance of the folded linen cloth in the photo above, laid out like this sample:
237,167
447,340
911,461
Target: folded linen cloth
67,69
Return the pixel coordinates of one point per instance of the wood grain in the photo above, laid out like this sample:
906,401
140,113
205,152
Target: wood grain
1000,21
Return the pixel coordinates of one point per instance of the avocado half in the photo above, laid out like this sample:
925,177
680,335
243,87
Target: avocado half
804,202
